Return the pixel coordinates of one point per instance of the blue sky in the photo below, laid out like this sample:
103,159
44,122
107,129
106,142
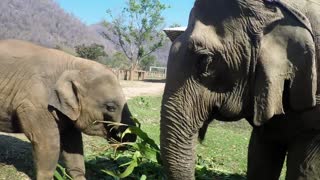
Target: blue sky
93,11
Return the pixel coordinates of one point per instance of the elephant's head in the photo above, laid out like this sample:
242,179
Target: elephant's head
91,98
236,59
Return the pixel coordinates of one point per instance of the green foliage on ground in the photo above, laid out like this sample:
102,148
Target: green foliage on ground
61,174
222,155
211,163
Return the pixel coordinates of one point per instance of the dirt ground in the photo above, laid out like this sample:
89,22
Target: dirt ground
142,88
15,150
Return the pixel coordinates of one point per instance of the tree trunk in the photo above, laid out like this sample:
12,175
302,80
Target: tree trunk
131,74
133,68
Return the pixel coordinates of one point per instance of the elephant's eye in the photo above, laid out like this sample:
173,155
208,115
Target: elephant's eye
111,107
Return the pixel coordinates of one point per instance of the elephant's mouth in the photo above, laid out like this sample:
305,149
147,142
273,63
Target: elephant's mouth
114,136
226,114
220,117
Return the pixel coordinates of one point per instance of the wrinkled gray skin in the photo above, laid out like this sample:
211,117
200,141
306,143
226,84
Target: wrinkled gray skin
52,97
246,59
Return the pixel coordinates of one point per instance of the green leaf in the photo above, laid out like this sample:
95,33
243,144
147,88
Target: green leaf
128,170
143,177
58,176
111,173
63,176
141,134
151,154
135,120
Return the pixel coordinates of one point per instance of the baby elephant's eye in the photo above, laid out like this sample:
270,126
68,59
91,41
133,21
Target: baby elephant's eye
111,107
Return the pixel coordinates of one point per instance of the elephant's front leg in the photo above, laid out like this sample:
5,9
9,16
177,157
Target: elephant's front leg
41,129
303,159
72,152
45,155
265,157
177,151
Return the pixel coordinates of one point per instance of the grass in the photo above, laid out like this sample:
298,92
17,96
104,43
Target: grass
222,155
225,143
225,149
146,109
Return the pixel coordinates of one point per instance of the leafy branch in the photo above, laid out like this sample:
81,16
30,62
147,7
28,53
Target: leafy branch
138,29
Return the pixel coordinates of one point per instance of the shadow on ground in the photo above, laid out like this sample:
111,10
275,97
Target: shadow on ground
15,154
151,170
155,80
205,174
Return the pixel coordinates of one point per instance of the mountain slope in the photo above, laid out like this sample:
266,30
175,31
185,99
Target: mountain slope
161,54
45,23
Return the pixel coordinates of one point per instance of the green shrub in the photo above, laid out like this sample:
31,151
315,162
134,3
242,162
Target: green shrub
117,60
93,51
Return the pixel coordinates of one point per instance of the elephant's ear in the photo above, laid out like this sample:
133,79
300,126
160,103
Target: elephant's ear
65,95
287,54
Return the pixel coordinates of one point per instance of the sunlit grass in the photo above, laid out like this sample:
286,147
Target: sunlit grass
222,155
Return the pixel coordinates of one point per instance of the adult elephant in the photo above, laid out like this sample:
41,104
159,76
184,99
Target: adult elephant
246,59
52,97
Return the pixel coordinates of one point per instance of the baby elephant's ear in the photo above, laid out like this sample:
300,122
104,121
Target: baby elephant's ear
65,96
287,54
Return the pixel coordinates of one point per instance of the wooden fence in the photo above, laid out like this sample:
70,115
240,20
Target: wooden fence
138,75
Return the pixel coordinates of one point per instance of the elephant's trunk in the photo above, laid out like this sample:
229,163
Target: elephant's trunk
179,128
184,111
177,148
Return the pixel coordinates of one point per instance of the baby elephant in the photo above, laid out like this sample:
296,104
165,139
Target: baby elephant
52,97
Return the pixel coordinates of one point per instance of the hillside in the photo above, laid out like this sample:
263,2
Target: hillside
161,54
46,23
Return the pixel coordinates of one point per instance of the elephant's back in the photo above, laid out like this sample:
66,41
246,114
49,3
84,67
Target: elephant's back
17,55
13,46
25,60
21,62
17,50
